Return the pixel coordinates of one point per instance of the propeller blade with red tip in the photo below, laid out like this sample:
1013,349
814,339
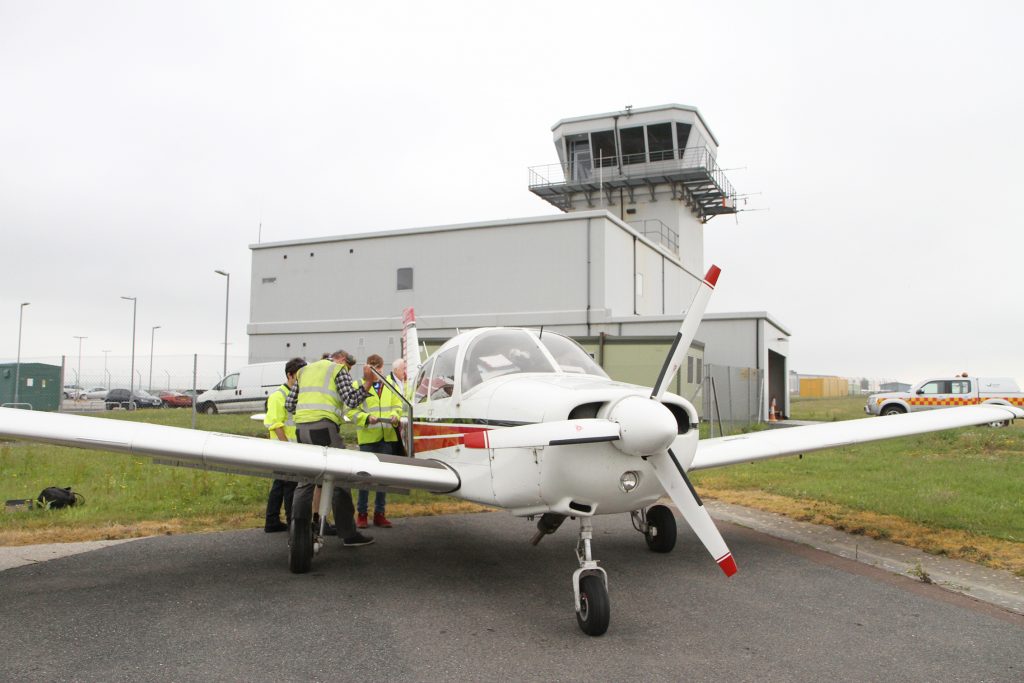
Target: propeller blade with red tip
559,433
678,487
684,337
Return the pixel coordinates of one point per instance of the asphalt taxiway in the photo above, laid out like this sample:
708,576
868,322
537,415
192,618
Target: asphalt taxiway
466,597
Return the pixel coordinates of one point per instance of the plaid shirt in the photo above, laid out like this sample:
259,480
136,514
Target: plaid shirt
350,396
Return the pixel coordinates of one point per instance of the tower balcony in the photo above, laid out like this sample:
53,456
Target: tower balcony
691,174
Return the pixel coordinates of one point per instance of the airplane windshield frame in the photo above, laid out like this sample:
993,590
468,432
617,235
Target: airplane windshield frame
571,358
497,353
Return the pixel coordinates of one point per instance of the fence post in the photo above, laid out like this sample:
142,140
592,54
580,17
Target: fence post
195,364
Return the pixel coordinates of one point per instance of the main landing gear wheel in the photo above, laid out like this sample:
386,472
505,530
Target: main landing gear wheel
595,609
661,529
300,546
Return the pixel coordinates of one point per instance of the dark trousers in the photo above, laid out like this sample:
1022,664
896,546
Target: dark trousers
324,433
281,492
379,500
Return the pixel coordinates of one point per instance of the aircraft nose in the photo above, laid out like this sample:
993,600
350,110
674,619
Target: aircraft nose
646,427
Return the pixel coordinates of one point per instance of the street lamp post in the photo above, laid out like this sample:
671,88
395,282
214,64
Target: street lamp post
152,336
131,377
105,373
17,366
227,299
78,372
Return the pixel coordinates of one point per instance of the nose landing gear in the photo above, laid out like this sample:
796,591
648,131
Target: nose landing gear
590,586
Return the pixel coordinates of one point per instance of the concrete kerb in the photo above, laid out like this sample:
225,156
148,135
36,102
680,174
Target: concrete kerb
993,586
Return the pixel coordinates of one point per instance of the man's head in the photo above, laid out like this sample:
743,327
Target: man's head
292,367
343,357
398,369
375,362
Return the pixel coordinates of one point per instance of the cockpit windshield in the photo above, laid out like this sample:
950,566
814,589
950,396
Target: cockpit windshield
502,352
571,358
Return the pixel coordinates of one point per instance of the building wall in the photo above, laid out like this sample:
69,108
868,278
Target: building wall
730,342
569,272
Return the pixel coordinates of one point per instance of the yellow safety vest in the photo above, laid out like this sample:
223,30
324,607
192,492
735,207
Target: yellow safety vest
277,416
318,396
383,407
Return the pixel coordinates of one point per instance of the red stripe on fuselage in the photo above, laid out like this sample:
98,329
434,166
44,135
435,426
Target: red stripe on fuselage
440,436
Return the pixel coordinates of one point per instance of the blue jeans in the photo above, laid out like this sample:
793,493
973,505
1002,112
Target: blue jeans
362,504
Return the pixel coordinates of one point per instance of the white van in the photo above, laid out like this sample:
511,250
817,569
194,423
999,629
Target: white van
244,391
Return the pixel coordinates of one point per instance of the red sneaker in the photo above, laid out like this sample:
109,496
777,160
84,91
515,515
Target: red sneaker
380,520
361,521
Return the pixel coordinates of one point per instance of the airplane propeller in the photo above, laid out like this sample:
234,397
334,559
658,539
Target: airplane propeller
686,333
678,487
665,464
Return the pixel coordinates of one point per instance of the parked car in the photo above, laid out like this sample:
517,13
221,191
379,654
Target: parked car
95,392
72,391
118,398
244,391
175,399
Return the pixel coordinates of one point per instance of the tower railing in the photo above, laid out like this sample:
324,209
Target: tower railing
585,170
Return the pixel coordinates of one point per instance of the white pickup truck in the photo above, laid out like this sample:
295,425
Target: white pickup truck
946,392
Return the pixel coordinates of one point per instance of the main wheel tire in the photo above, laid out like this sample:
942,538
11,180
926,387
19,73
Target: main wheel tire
892,410
595,609
210,409
1000,423
300,546
661,520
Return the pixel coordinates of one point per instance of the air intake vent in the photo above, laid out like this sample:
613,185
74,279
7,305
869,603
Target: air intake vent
682,418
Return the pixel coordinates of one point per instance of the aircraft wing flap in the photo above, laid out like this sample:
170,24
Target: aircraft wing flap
227,452
731,450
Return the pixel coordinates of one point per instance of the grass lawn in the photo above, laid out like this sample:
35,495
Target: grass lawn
959,492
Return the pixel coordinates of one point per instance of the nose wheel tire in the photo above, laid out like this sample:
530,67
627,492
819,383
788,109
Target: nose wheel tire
661,529
300,546
595,609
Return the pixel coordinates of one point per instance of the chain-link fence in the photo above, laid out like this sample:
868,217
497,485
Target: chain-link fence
87,381
732,398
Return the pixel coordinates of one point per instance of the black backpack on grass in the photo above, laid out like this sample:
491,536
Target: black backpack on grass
55,498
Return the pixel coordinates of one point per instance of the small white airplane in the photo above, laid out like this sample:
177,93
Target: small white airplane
523,420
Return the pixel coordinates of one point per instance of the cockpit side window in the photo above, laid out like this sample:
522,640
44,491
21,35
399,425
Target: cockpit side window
502,352
423,382
570,356
442,381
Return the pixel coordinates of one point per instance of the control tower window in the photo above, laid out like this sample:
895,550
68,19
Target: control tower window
602,147
682,135
634,149
659,141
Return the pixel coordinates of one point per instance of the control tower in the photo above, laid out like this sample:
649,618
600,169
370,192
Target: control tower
654,168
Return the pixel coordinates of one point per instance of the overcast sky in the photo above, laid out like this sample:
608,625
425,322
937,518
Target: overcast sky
142,144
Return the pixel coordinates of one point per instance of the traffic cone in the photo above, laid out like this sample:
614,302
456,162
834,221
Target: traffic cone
773,412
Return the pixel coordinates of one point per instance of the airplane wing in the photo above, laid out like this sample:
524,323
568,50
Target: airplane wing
773,443
229,453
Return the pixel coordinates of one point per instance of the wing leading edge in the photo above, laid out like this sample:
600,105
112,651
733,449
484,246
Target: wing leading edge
731,450
226,452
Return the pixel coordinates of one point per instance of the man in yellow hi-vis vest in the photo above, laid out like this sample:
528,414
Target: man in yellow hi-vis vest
282,428
376,421
318,399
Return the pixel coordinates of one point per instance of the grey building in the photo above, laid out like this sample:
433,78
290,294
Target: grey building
615,271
